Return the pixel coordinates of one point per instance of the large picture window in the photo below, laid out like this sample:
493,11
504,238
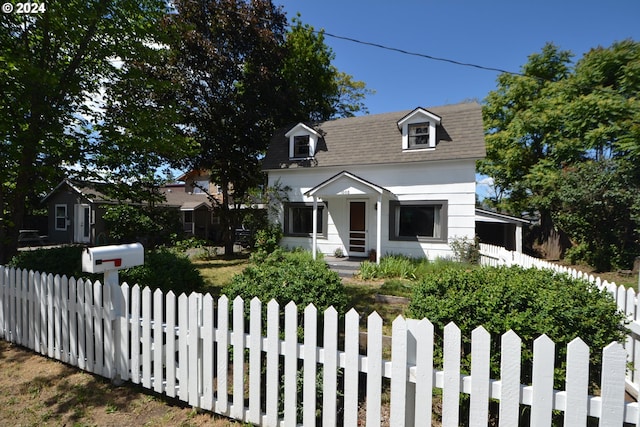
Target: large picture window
298,219
61,217
418,220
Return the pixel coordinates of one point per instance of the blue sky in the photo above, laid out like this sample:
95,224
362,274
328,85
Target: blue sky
498,34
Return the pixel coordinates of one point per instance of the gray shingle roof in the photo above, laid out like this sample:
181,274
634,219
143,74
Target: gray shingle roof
375,139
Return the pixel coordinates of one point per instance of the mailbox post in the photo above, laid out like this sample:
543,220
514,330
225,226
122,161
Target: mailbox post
109,260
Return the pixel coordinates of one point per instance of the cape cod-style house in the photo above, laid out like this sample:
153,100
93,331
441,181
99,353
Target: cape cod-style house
393,183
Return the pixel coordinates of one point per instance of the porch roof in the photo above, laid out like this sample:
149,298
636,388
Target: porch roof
346,184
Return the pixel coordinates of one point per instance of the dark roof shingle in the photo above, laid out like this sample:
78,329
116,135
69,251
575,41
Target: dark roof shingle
376,139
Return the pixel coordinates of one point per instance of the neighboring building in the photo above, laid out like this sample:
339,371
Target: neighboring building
500,229
394,183
74,211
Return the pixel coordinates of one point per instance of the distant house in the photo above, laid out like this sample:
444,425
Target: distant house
393,183
74,211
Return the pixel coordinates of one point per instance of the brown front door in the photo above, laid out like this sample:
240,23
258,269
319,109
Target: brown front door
357,228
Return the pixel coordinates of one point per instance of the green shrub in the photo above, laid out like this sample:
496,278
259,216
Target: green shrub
290,276
466,250
162,268
267,239
529,302
66,260
167,270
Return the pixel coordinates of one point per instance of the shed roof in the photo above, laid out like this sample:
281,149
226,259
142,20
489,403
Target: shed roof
376,139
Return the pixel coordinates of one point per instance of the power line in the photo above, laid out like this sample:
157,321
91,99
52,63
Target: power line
421,55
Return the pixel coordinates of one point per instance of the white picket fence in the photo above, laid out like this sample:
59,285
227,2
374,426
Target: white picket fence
626,299
206,353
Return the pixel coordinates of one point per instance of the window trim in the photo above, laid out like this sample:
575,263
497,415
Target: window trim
444,222
56,217
323,209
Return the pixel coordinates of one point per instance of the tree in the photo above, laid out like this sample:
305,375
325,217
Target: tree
239,75
52,67
553,117
316,89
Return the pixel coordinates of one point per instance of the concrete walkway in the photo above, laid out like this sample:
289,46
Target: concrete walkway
345,267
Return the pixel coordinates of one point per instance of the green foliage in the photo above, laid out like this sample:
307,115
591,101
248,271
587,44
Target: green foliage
553,118
167,270
466,250
163,268
598,207
404,267
267,240
66,260
129,223
529,302
290,276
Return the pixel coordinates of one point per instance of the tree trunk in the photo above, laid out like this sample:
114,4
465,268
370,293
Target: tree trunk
228,236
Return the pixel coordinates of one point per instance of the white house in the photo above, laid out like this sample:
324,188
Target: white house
393,183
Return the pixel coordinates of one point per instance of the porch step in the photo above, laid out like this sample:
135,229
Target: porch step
345,267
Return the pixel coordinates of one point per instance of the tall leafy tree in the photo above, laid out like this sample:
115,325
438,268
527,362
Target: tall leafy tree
53,65
239,74
226,61
316,90
556,116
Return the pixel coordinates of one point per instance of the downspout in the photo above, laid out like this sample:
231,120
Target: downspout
378,227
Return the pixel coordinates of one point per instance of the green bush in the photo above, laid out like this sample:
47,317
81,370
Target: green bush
466,250
162,268
405,267
290,276
529,302
167,270
267,239
66,260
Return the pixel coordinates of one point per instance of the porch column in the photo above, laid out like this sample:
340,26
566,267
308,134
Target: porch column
519,238
378,227
314,239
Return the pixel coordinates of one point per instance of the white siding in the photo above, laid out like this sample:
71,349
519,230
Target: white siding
450,181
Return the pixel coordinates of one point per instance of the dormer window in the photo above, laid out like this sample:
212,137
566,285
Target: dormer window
302,142
419,130
419,135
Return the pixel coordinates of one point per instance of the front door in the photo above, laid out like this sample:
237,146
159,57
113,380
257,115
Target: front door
357,228
82,224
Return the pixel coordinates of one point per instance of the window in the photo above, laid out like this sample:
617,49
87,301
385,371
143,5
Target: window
418,220
188,216
419,135
301,146
201,186
298,219
61,217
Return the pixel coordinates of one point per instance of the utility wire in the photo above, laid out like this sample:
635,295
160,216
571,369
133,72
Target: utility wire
421,55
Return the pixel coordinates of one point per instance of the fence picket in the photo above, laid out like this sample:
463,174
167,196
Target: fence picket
310,367
374,369
480,374
51,337
510,392
80,313
330,368
72,306
352,366
612,393
208,339
424,371
24,310
57,316
98,329
183,347
398,372
107,314
451,386
542,381
145,341
273,356
255,361
237,403
135,334
88,325
577,384
158,340
222,334
124,359
170,354
64,318
194,353
290,363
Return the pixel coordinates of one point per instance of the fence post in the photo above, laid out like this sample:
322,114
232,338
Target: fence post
111,282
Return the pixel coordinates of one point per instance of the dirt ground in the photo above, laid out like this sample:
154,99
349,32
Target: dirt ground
37,391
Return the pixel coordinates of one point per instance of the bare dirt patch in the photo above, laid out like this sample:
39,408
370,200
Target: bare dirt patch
38,391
